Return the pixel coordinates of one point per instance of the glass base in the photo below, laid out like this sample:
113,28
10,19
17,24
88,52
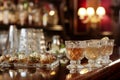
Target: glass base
72,68
93,64
79,68
90,68
75,66
105,60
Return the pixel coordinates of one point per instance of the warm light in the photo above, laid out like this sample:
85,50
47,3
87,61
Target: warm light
23,74
69,76
12,73
100,11
90,15
52,12
90,11
82,13
53,73
1,16
83,71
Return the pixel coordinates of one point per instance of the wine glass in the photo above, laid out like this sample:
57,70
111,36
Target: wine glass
92,53
74,52
106,51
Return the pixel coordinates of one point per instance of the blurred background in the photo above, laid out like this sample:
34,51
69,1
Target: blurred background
68,19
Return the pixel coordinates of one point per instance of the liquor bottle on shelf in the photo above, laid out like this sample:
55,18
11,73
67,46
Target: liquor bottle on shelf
37,13
1,11
22,12
5,12
50,15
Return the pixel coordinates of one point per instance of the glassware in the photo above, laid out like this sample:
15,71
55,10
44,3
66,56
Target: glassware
3,39
107,50
12,40
23,41
92,53
75,50
55,46
41,41
34,36
31,38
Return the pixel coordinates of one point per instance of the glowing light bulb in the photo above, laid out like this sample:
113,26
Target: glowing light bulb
52,12
81,12
90,11
100,11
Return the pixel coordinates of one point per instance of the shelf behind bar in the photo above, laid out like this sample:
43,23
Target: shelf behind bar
49,27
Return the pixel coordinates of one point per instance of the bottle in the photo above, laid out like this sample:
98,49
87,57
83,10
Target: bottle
1,11
37,14
50,15
22,12
55,46
6,13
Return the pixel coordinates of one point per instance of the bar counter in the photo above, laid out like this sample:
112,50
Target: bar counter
108,72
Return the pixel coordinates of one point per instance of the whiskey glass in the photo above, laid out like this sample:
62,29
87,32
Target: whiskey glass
92,53
106,51
75,50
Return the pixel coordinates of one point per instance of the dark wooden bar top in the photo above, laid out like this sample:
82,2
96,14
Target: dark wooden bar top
108,72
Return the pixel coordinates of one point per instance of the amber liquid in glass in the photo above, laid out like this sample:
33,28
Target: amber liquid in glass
92,53
106,50
75,53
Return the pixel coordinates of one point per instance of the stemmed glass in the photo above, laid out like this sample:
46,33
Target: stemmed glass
74,52
106,50
92,53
